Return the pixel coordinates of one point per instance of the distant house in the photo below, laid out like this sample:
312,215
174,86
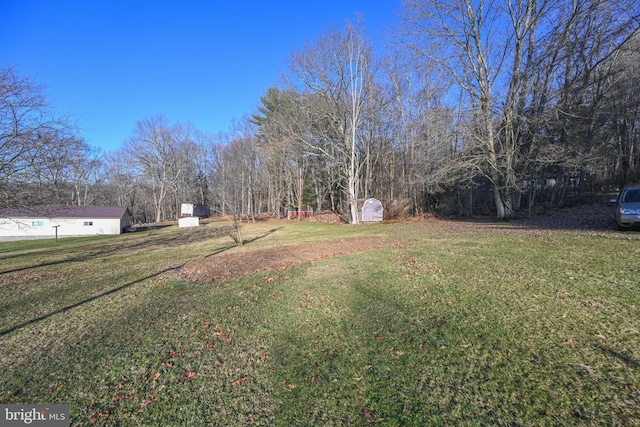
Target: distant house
41,222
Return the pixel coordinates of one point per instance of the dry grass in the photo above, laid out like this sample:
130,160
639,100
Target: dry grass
461,324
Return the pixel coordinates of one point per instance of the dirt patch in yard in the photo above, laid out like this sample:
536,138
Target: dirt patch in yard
209,268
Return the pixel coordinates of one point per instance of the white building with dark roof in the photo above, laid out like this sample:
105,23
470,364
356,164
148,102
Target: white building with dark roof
43,222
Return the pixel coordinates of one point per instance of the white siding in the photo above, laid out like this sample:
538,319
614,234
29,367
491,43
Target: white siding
44,227
189,221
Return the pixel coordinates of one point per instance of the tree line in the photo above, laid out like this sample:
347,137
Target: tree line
473,107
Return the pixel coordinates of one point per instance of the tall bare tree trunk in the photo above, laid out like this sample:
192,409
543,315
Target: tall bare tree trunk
300,192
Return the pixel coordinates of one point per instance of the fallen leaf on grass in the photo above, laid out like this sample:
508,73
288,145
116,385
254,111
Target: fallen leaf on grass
240,380
98,415
187,375
366,413
224,338
146,402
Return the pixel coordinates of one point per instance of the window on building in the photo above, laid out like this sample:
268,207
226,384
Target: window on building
88,223
37,223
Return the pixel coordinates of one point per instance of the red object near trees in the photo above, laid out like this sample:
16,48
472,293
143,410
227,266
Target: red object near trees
305,213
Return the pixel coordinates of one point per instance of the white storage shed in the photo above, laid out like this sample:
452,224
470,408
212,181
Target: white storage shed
372,210
42,222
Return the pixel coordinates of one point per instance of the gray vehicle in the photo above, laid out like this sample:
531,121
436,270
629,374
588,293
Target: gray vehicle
628,208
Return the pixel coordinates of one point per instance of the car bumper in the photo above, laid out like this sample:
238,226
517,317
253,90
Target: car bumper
629,220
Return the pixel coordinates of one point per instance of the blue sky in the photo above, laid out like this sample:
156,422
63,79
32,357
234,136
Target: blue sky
108,64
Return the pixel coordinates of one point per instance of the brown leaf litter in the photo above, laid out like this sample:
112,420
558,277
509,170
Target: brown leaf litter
208,268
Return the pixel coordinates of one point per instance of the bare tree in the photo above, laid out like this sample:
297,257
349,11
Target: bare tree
217,173
22,116
624,102
284,124
337,71
152,146
422,131
202,163
488,48
121,179
592,74
189,158
29,134
86,175
533,76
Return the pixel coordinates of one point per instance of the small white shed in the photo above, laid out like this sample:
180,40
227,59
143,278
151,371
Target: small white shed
201,211
43,222
189,221
372,210
186,209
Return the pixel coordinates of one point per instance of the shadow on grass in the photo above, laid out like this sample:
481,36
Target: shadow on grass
629,361
95,297
169,240
247,241
597,215
559,220
273,230
85,301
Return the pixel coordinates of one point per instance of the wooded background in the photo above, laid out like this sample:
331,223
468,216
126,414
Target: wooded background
473,107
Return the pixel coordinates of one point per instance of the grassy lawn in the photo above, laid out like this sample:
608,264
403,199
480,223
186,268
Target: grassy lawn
448,328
